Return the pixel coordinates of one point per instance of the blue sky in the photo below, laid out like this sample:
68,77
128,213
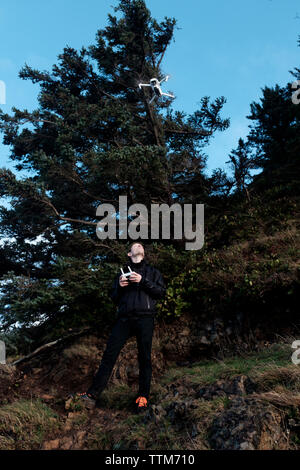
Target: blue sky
231,48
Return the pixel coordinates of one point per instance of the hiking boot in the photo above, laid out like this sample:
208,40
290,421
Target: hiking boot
86,399
141,404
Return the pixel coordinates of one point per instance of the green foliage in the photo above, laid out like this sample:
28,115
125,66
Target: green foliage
255,276
173,303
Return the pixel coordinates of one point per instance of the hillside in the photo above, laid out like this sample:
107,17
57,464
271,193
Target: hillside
245,401
222,371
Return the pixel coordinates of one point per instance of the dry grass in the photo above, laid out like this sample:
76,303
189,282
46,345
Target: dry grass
278,385
80,350
288,376
24,425
284,398
258,257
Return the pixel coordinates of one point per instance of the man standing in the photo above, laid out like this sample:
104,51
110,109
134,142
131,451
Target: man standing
136,298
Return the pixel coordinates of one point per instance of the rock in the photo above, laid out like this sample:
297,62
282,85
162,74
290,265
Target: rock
154,413
247,446
47,397
69,421
171,391
80,435
185,332
68,403
66,443
240,385
293,424
68,426
177,411
73,414
181,417
204,340
51,445
248,425
194,430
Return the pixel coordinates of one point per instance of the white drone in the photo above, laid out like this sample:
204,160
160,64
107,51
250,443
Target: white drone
155,85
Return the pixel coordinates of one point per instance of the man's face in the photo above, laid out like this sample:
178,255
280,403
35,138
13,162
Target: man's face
137,249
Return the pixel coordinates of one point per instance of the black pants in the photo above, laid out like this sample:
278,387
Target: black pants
122,330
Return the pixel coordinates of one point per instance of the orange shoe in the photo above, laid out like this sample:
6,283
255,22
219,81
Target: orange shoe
141,403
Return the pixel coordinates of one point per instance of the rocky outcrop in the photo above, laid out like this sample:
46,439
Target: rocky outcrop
248,424
184,338
192,337
240,385
179,413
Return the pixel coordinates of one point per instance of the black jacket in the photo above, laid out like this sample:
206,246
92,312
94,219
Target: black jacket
139,298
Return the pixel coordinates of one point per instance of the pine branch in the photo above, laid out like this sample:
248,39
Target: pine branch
80,184
67,219
162,55
196,132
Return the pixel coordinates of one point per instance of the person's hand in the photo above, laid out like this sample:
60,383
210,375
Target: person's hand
135,277
123,281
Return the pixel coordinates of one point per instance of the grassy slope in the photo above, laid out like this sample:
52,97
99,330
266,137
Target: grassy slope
30,423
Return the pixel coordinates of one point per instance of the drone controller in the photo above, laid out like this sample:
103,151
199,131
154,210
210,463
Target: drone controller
126,274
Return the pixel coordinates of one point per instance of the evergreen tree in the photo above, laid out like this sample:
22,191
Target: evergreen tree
275,139
241,164
93,138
